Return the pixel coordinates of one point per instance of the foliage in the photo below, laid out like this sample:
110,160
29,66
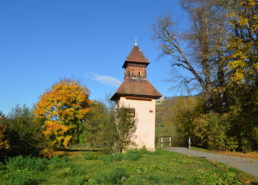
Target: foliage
112,157
117,176
169,118
105,128
99,126
4,143
222,59
234,130
2,117
100,130
203,61
126,126
30,163
94,123
110,130
25,170
210,131
62,110
91,156
133,155
24,132
22,177
242,42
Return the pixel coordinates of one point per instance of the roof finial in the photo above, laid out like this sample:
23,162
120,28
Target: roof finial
136,42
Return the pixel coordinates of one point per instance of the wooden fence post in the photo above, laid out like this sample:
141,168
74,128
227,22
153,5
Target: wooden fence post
189,142
161,141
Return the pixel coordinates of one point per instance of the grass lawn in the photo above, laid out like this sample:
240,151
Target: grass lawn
135,167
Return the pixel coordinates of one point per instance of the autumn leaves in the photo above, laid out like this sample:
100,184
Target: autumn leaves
61,110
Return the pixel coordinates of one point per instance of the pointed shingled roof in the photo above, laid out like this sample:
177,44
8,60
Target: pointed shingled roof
136,87
136,56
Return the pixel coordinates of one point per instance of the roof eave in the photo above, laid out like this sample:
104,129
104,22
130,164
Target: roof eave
117,95
128,61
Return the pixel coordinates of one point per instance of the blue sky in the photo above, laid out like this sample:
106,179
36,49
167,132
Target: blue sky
42,42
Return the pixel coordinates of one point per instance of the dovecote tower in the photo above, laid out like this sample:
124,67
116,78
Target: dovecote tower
138,94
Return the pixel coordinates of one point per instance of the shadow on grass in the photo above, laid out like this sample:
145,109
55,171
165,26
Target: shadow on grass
83,150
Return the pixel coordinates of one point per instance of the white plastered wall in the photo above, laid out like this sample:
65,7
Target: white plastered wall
145,121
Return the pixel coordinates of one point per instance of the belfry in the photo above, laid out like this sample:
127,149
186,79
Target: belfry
138,94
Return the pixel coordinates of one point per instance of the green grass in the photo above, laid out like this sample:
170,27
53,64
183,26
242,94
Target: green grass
132,168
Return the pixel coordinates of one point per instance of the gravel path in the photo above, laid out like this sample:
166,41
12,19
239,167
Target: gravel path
242,163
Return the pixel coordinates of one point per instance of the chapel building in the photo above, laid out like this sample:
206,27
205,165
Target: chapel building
138,94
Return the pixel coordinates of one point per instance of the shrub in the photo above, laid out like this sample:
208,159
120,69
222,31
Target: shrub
22,177
4,143
112,158
57,162
117,175
209,131
71,170
133,155
30,163
91,156
125,124
231,144
24,133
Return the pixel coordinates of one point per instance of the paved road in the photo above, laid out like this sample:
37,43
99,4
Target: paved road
244,164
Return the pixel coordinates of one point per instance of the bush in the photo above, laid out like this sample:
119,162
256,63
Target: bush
91,156
116,176
22,177
112,158
30,163
23,170
125,124
4,143
208,131
24,133
133,155
71,170
57,162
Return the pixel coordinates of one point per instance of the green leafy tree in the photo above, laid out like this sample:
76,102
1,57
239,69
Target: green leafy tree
24,132
96,125
125,124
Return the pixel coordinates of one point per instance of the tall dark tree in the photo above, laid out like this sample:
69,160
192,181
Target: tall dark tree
204,58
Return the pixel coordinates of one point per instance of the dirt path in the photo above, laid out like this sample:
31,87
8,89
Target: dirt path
244,164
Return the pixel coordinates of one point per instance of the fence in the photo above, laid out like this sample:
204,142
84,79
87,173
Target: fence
165,140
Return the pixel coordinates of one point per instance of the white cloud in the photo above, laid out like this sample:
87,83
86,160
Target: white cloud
108,80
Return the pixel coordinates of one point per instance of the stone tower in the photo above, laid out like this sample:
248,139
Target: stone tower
138,94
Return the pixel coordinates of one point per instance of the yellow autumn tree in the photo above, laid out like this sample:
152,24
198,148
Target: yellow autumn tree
243,44
62,111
